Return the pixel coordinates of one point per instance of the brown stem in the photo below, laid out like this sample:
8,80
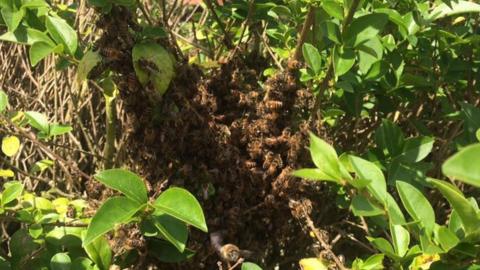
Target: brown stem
228,42
309,19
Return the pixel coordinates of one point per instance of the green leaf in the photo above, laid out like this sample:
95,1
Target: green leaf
396,18
445,237
162,66
3,101
395,214
12,18
313,174
312,57
62,33
374,262
459,203
26,36
417,205
38,120
382,245
400,238
6,173
10,145
69,237
464,165
389,138
364,28
325,158
361,206
128,183
58,129
166,252
100,252
40,50
88,62
416,149
368,53
22,245
82,263
377,70
250,266
333,8
368,170
457,7
60,261
181,204
343,60
171,229
113,212
41,165
12,190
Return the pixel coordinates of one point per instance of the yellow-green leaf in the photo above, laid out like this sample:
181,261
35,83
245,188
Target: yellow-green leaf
10,145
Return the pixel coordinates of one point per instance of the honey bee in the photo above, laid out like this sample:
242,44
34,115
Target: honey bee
71,212
250,164
274,104
111,54
272,116
274,141
148,65
230,253
255,149
132,82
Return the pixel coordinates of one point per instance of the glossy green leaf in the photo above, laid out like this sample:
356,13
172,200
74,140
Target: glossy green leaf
10,145
27,36
416,149
312,57
396,18
456,7
113,212
59,129
377,70
325,158
459,203
382,245
374,262
12,18
100,252
343,60
364,28
395,214
128,183
70,237
12,190
464,165
368,170
41,165
445,237
181,204
161,68
82,263
400,239
62,33
250,266
22,245
171,229
313,174
60,261
361,206
38,120
88,62
369,52
40,50
417,205
3,101
389,138
333,8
